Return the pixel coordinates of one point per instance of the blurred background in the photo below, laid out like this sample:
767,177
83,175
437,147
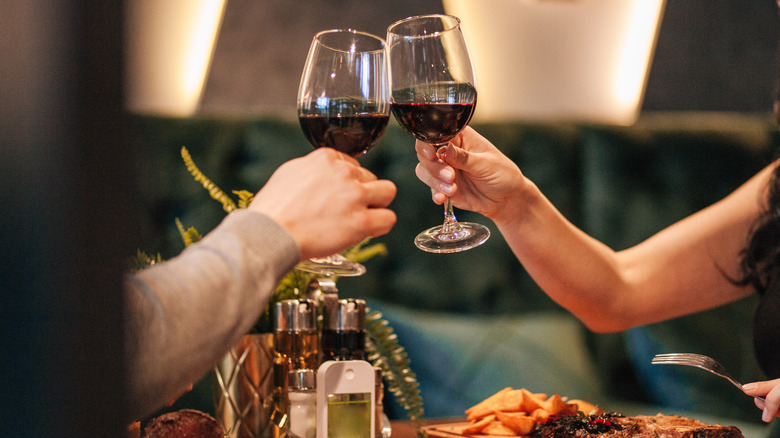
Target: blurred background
710,56
83,188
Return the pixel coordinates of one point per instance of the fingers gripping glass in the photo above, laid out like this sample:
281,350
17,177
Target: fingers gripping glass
344,104
433,98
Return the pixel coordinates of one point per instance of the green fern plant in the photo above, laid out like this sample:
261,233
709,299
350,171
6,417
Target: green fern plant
143,260
215,192
384,351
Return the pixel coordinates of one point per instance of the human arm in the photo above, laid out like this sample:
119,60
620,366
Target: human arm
182,315
680,270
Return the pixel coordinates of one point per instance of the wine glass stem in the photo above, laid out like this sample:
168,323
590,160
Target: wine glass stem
450,221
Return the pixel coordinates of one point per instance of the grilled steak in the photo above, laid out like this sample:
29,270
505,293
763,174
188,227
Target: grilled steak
610,425
183,423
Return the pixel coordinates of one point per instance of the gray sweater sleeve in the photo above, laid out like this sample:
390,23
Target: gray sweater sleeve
183,315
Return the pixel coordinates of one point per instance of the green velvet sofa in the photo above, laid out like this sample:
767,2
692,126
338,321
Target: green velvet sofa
474,322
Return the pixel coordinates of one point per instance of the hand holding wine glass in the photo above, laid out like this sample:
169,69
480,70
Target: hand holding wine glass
336,190
474,173
433,97
344,104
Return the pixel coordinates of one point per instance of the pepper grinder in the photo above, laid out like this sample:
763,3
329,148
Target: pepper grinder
343,334
295,334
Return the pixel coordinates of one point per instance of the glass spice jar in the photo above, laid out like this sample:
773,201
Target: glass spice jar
295,344
302,396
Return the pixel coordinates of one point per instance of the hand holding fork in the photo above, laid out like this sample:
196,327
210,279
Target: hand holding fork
709,364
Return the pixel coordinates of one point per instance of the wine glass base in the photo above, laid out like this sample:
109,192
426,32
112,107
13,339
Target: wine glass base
332,266
466,235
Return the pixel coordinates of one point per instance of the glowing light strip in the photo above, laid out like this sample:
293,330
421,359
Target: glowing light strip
201,46
637,48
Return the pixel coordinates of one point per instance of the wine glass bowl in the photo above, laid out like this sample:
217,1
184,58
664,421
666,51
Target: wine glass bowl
343,100
433,98
430,120
343,103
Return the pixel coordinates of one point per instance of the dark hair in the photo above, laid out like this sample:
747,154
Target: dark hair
761,256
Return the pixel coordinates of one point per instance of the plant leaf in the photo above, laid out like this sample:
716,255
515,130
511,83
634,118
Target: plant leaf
215,192
143,260
190,235
244,197
384,351
360,252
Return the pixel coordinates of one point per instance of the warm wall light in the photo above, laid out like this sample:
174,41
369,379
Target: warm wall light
168,45
560,60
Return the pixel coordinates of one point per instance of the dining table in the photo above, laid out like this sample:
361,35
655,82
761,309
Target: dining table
410,429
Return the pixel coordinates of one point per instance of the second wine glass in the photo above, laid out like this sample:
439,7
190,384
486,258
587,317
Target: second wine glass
344,104
433,98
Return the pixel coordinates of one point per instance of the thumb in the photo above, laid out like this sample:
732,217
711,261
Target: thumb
757,388
456,157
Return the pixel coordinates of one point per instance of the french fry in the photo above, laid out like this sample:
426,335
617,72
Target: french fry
531,402
478,426
512,401
540,416
519,422
516,412
505,401
488,400
556,406
498,428
586,408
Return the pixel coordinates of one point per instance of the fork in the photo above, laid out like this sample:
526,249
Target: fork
699,361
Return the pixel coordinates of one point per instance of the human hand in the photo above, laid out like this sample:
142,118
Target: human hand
327,202
770,391
472,172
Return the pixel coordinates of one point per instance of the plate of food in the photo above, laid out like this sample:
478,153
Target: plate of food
520,412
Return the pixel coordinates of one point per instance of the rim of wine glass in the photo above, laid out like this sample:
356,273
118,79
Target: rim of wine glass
318,37
455,25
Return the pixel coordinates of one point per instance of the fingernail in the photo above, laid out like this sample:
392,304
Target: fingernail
447,174
749,387
446,188
766,416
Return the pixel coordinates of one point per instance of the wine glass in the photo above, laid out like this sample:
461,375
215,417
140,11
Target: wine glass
433,98
344,104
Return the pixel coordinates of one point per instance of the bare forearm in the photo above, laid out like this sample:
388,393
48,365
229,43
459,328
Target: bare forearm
577,271
685,268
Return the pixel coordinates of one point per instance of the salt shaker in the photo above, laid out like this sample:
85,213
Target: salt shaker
302,396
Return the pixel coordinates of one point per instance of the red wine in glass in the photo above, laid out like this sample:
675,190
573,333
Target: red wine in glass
353,135
434,123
